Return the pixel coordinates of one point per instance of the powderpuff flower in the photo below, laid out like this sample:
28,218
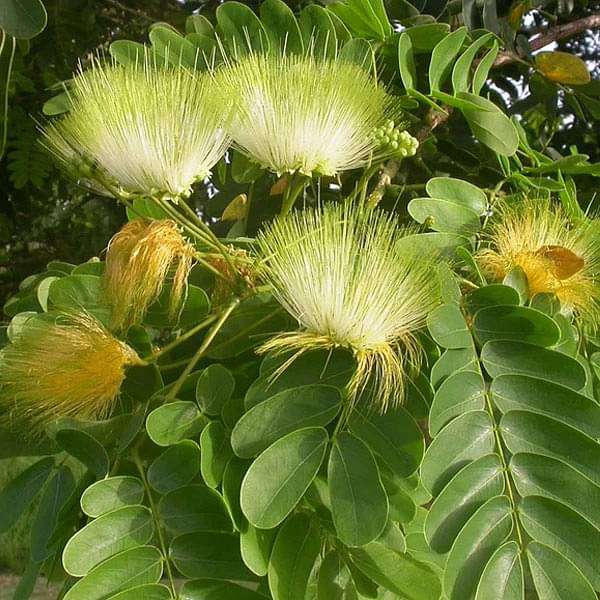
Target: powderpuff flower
301,113
66,365
139,259
557,256
352,279
140,129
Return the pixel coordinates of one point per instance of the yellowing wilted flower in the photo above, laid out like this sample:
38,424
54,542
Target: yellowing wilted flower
140,129
67,365
557,256
306,114
352,280
138,260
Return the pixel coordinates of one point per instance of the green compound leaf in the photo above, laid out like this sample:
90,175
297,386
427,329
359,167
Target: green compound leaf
444,215
177,466
394,438
210,589
112,493
399,573
129,569
113,532
215,452
214,388
213,555
359,503
294,554
515,323
448,327
522,459
23,19
287,411
86,449
279,477
173,422
508,357
20,492
194,508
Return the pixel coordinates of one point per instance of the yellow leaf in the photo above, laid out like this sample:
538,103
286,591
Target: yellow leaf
515,16
562,67
236,209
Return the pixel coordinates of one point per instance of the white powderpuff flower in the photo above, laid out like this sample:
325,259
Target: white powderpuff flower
353,279
140,129
301,113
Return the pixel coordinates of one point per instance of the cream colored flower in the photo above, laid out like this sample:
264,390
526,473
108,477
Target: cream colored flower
140,129
305,114
352,280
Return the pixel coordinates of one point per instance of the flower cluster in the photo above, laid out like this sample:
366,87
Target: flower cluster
65,365
395,141
140,129
138,261
557,256
304,114
352,279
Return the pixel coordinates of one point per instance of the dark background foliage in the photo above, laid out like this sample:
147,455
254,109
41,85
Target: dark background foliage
43,216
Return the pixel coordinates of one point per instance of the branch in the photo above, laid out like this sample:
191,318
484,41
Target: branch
137,12
552,35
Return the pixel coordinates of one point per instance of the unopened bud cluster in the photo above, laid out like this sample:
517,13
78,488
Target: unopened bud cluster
394,141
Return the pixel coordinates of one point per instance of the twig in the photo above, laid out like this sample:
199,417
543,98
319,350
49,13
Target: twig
133,11
552,35
173,391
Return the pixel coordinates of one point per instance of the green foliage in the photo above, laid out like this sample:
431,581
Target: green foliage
23,19
252,477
